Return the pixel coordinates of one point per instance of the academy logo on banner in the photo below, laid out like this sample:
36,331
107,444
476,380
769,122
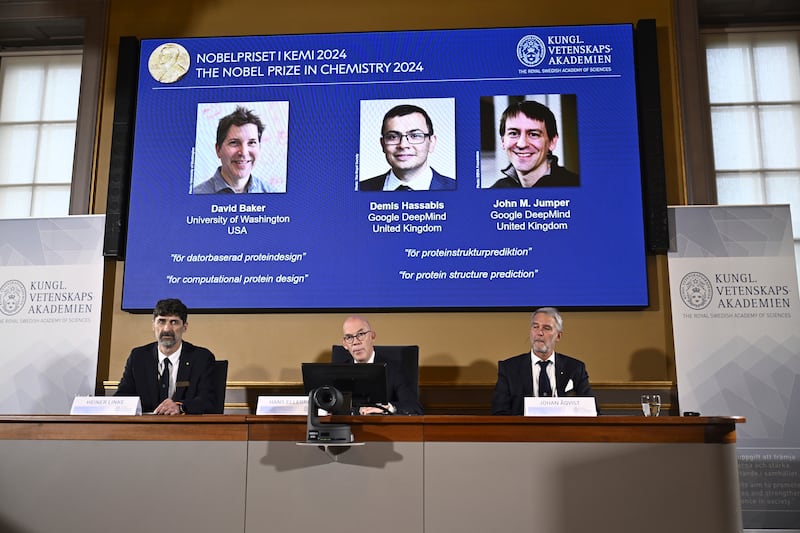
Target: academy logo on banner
50,300
51,282
736,324
12,297
733,291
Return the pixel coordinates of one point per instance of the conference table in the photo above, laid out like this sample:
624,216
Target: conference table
247,473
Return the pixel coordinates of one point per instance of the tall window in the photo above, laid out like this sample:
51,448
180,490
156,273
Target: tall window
754,92
38,114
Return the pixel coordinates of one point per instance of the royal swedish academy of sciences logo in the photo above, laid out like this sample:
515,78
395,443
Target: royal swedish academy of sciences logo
12,297
696,290
530,50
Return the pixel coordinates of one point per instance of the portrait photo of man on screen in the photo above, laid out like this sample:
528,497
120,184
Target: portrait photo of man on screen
248,152
409,144
529,151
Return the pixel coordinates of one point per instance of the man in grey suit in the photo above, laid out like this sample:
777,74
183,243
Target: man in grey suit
540,372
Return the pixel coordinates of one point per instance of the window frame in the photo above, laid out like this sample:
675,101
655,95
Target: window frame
93,14
700,187
35,187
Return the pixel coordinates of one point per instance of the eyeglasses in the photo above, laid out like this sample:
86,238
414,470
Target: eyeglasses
395,137
349,339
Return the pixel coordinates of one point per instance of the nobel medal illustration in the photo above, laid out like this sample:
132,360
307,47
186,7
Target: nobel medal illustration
169,63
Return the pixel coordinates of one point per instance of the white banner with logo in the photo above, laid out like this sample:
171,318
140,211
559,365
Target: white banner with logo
736,322
51,282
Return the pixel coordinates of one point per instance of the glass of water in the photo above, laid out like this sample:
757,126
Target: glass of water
651,404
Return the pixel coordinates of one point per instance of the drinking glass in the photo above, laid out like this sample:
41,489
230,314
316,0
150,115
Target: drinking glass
651,404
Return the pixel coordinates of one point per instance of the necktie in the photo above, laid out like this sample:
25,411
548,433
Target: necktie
403,188
163,382
544,382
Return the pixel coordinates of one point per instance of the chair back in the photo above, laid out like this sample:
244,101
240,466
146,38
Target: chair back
407,357
219,380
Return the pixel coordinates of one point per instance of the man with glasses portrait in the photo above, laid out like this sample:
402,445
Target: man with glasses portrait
358,338
407,138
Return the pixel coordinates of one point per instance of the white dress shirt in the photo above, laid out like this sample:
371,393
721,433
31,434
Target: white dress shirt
419,183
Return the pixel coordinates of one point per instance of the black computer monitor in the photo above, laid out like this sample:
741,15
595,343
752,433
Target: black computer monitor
361,384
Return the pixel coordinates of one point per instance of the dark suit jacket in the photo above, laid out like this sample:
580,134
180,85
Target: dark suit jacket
401,395
515,382
194,387
438,183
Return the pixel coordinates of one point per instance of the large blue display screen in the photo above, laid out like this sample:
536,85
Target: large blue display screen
344,120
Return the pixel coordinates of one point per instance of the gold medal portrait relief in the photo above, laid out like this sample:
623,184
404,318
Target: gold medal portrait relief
169,63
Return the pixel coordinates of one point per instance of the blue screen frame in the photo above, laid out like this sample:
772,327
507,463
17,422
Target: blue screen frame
320,243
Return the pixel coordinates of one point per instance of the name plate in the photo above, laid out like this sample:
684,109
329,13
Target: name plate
106,405
282,405
571,406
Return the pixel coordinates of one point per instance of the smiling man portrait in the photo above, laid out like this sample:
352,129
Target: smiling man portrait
238,146
529,136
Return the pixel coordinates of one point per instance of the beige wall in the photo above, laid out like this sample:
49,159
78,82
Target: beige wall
618,346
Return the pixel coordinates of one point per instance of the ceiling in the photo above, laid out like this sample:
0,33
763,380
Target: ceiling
68,32
32,34
727,12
